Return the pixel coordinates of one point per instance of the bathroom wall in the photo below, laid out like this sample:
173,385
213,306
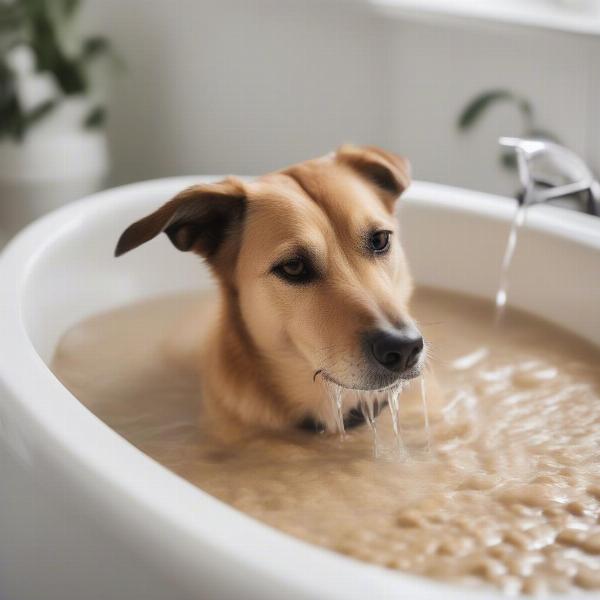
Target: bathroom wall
443,65
239,86
232,86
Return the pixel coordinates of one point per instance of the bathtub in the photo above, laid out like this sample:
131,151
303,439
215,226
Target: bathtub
86,516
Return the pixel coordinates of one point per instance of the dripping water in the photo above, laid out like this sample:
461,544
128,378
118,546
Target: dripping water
393,398
511,244
335,395
370,404
366,403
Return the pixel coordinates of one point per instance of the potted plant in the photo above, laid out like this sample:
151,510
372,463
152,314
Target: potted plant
52,140
475,108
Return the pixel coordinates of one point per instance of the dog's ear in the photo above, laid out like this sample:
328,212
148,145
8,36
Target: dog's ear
389,172
199,218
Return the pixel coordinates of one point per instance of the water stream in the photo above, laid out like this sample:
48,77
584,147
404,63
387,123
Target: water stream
468,361
509,252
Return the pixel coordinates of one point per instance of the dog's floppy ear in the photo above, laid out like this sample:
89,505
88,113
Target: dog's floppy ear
389,172
199,218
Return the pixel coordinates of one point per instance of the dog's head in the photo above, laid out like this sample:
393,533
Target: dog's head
312,259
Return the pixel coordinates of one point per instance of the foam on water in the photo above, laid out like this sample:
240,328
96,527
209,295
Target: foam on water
512,499
425,415
468,361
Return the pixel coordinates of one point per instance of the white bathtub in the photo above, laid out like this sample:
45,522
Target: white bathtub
85,516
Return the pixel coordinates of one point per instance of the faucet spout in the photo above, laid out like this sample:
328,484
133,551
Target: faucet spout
548,170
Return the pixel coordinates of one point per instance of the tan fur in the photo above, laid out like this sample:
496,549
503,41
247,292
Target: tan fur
262,359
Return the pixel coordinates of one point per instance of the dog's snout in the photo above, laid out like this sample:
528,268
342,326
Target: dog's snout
397,350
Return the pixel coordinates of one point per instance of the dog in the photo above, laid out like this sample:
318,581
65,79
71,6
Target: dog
313,289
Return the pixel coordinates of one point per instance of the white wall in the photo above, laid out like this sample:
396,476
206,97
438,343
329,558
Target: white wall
233,86
238,86
441,66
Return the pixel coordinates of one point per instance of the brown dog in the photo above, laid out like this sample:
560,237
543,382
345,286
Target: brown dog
313,282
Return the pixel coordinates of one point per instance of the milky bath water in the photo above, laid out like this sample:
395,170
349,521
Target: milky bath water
504,490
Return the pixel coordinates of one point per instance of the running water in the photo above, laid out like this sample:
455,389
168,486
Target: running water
468,361
511,244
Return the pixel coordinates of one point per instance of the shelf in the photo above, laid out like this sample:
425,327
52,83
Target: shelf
572,16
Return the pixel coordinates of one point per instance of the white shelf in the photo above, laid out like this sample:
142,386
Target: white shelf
572,16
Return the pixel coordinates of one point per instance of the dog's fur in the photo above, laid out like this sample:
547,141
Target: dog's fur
276,345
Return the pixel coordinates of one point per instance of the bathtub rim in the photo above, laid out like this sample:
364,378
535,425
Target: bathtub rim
58,432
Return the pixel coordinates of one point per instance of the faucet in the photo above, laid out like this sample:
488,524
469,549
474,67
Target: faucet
548,170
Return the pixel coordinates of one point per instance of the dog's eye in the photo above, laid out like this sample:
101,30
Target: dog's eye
295,270
379,242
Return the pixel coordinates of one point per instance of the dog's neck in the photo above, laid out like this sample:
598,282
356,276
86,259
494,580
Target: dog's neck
243,389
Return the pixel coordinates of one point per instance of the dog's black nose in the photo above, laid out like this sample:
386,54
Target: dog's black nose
397,350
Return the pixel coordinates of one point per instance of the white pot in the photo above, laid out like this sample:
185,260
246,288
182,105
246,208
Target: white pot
58,161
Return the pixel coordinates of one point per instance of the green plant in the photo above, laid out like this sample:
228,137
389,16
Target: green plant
49,29
482,102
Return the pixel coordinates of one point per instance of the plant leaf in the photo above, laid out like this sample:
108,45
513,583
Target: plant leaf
96,118
508,160
45,34
526,108
7,87
70,7
94,46
12,124
478,105
11,17
542,134
39,112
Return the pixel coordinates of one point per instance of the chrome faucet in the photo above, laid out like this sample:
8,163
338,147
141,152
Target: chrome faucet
548,171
